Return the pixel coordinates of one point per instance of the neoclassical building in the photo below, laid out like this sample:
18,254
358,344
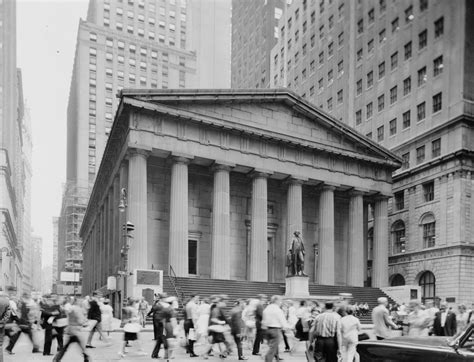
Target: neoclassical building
218,180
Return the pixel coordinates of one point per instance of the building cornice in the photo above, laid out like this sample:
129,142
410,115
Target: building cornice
431,254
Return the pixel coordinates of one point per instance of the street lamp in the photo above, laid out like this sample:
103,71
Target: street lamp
127,229
123,200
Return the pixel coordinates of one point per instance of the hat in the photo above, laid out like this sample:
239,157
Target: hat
382,300
169,299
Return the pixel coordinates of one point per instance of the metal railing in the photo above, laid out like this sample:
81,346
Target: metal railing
174,282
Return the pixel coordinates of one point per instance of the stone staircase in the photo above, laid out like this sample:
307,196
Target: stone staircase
239,289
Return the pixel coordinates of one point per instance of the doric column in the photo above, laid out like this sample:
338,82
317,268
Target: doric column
178,242
220,247
137,209
259,241
380,262
355,267
326,236
294,206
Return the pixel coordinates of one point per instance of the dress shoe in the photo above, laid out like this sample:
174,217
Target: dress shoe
256,354
89,346
9,352
243,358
192,354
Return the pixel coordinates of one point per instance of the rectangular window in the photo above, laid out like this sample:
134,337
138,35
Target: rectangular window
423,5
420,154
394,61
369,135
393,126
380,133
395,25
381,102
359,55
371,16
330,49
407,48
439,27
405,161
340,38
428,191
370,46
421,111
382,5
409,14
436,148
429,237
406,119
422,76
406,86
422,39
340,67
331,22
313,41
359,87
321,83
192,257
370,79
330,76
399,200
370,110
360,26
321,58
339,96
393,95
312,66
330,104
437,102
93,37
381,70
438,66
358,117
382,37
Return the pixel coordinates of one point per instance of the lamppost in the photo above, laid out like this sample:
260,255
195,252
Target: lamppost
127,228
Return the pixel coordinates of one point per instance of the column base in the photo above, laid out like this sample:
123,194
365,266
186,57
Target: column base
297,287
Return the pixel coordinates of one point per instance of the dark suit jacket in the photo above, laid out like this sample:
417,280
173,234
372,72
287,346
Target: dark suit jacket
236,323
449,328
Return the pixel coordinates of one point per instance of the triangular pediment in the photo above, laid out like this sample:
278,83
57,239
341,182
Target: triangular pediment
273,113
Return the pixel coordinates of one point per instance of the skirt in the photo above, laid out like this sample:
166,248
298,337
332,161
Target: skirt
130,336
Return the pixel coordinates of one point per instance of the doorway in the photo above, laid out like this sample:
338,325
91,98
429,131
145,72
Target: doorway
271,258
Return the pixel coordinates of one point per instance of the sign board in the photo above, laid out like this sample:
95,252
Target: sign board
148,277
69,277
112,283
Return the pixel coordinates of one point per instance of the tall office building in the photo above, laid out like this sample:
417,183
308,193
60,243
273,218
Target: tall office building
254,34
55,276
37,251
11,163
130,44
399,72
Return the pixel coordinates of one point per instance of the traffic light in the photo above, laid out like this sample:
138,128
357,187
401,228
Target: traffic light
128,228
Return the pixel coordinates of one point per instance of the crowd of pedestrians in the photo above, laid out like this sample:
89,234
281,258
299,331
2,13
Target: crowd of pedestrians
328,332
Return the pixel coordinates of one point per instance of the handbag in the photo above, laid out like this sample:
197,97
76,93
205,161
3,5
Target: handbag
363,336
192,334
132,327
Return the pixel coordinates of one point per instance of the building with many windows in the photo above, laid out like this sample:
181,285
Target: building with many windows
254,34
399,73
130,44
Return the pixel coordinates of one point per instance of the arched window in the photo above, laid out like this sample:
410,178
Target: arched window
397,280
428,286
428,228
398,237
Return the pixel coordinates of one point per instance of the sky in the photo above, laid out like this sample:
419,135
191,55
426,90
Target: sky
46,40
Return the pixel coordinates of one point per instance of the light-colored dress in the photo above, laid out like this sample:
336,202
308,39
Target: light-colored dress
107,316
202,324
461,321
418,322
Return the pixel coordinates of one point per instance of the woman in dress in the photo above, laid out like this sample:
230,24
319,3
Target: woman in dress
202,324
107,316
248,316
461,318
169,326
217,323
131,327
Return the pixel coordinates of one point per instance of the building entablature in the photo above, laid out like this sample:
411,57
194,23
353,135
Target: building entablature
432,253
209,126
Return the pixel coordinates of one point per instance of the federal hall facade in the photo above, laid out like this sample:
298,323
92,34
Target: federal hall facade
217,182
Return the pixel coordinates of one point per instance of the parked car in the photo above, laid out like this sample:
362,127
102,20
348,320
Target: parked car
427,349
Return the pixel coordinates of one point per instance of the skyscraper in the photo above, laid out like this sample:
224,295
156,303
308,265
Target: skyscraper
254,34
388,69
11,158
130,44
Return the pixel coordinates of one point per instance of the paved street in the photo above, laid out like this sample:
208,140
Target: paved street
110,353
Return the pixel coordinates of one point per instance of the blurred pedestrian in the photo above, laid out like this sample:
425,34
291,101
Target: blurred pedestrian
191,311
5,312
350,328
445,322
237,326
75,321
381,319
131,327
49,312
462,318
258,324
273,322
94,315
143,311
326,332
217,322
418,320
107,316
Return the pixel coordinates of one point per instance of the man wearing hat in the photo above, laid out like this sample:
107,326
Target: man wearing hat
158,326
381,319
258,324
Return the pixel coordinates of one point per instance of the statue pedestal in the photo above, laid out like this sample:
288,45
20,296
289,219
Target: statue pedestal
297,287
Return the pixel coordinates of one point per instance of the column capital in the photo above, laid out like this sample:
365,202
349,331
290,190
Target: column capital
381,198
356,192
138,151
181,160
294,180
257,173
222,166
328,187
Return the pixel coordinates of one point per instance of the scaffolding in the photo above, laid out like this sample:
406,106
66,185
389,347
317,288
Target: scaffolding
75,199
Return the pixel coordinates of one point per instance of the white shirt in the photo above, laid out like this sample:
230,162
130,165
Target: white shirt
443,318
192,310
350,327
274,317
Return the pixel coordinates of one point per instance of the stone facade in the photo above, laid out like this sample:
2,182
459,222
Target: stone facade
218,181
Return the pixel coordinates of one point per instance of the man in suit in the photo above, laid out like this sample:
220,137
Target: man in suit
258,323
445,322
236,326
